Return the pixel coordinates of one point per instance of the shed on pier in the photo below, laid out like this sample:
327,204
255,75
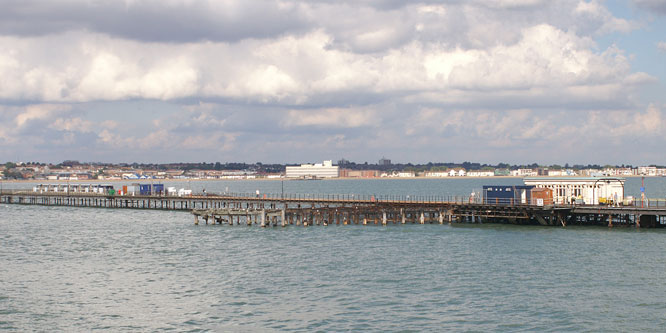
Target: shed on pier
507,194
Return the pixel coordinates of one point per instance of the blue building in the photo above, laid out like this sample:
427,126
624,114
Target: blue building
507,194
145,189
158,189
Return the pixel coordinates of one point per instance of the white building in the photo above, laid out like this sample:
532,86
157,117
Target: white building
618,172
481,174
589,189
405,174
647,171
523,173
457,173
561,173
319,170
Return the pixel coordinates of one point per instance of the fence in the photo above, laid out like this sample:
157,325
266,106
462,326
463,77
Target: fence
365,198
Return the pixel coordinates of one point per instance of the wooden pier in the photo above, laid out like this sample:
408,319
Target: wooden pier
326,209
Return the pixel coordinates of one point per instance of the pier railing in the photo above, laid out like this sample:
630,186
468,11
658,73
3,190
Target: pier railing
348,197
362,198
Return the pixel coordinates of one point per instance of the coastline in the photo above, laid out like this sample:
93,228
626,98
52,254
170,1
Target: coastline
177,180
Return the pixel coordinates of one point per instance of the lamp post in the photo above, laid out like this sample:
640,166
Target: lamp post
642,191
594,188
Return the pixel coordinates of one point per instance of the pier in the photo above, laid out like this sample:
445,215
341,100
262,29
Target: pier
326,209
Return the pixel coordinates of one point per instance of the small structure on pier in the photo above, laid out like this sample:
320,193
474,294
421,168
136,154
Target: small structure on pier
583,190
507,194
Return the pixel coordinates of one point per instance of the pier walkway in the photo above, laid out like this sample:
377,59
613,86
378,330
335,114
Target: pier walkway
325,209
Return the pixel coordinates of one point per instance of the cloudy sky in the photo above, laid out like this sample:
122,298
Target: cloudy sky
516,81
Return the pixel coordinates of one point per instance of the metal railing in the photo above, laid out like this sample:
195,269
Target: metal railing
348,197
368,198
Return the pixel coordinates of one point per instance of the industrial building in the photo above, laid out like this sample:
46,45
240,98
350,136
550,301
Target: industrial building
318,170
584,190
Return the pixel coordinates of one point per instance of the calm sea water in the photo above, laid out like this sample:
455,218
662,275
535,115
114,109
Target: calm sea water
79,269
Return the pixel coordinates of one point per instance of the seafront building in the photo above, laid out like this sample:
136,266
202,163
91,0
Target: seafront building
524,173
346,169
318,170
481,174
348,173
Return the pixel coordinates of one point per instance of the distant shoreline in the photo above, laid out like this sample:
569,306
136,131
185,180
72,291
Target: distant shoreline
270,179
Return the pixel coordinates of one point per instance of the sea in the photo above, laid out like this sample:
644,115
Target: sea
82,269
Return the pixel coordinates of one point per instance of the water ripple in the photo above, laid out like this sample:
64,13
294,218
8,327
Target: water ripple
71,269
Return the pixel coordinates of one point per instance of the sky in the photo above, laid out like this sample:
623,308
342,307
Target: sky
289,81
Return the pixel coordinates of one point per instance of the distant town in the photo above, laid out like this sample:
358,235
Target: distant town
74,170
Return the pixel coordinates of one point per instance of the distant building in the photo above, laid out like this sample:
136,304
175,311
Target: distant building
524,173
457,173
502,172
481,174
560,173
437,174
590,172
384,161
405,174
348,173
343,162
618,172
647,171
319,170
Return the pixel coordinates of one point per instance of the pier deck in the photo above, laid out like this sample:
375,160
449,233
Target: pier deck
328,209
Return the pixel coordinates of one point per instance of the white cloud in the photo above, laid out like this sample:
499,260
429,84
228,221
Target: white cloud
72,124
513,3
330,118
622,124
661,46
268,76
40,111
299,70
639,78
517,128
595,11
109,124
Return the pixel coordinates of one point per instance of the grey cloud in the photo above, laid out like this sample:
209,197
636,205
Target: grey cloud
401,132
657,6
358,26
153,20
